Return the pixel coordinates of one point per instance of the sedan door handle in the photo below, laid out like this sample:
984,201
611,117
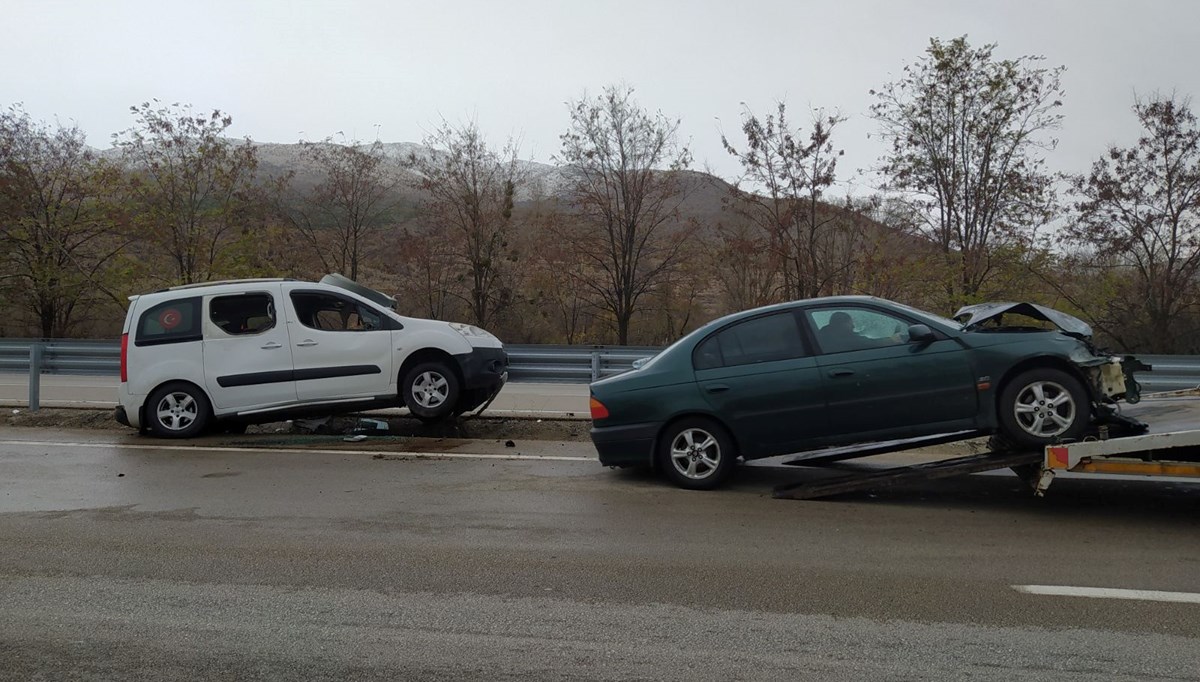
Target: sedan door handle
273,345
307,342
835,373
716,388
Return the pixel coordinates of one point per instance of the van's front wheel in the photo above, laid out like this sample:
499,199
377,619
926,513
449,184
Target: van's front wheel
177,410
431,391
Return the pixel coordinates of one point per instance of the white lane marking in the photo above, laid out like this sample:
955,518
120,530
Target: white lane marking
296,451
1110,593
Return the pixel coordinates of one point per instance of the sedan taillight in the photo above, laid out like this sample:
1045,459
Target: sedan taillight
599,411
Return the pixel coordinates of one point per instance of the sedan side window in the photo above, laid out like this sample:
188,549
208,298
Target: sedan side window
762,339
333,313
839,330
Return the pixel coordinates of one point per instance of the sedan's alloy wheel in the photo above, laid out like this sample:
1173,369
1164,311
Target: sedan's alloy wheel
1044,409
430,389
695,453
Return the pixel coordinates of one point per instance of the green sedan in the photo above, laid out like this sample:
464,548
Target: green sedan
839,371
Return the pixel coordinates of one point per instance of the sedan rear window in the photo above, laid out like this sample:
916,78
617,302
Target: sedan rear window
762,339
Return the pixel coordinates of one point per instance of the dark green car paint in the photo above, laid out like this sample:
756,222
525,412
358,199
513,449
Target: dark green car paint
947,384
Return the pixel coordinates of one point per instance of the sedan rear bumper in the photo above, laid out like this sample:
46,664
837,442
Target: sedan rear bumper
626,446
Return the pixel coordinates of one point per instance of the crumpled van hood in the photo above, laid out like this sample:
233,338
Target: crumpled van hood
976,315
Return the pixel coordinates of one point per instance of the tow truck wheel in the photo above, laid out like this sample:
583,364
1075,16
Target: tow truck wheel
1044,406
696,454
431,391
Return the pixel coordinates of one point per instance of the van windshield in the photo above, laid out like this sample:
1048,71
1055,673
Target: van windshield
342,282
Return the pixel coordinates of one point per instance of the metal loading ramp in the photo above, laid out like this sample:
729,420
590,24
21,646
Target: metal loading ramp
1025,464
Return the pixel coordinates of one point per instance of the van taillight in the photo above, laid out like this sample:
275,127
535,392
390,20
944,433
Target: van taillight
599,411
124,358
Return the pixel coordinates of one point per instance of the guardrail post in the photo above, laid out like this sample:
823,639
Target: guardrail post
595,365
35,376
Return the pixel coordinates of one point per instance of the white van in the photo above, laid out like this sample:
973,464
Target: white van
249,351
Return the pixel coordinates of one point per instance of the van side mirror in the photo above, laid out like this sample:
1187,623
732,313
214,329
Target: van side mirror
920,333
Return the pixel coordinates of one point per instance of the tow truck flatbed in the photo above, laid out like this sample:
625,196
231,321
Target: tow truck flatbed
1170,450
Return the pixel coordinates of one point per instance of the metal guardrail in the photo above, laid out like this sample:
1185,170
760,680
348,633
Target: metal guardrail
543,363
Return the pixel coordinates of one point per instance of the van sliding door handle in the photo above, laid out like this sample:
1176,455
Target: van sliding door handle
273,345
716,388
835,373
307,342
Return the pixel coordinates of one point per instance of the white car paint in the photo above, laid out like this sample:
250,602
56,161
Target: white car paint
288,346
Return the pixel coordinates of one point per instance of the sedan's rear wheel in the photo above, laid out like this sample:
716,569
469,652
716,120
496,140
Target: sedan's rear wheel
696,453
1044,406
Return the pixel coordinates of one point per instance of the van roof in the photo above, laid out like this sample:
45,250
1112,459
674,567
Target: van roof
200,285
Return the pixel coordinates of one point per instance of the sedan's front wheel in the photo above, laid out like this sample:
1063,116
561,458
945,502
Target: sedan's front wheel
696,453
1044,406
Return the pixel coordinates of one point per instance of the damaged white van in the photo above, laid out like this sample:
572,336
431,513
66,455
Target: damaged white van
227,354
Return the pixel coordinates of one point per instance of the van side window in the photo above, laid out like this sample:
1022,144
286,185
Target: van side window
243,314
333,313
170,322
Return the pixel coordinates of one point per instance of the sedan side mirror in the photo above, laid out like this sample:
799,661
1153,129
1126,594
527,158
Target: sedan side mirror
921,333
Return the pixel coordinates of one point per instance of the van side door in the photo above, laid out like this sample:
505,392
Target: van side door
247,357
341,346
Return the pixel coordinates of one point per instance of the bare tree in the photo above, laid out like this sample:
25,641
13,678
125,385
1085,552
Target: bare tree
58,227
425,266
746,268
1138,223
785,177
190,186
470,189
624,167
341,216
967,133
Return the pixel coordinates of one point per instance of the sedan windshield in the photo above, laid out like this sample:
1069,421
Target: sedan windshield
945,321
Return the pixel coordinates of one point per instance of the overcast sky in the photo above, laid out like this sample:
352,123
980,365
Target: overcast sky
291,69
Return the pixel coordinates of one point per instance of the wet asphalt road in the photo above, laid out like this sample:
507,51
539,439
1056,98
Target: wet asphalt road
214,563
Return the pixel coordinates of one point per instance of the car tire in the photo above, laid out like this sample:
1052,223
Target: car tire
431,391
696,453
178,410
1043,406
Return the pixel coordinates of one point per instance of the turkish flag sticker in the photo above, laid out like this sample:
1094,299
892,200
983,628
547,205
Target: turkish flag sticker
170,318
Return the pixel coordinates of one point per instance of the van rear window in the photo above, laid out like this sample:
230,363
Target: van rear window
170,322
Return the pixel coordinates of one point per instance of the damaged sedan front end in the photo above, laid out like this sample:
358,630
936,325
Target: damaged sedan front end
1110,377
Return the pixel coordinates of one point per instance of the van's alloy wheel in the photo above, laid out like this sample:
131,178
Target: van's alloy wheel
431,390
177,410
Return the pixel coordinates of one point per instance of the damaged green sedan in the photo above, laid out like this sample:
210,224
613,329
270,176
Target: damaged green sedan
807,375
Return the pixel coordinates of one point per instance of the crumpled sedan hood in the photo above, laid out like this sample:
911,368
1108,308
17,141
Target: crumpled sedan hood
976,315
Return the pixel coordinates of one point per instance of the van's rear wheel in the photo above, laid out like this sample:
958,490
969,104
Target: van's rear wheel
177,410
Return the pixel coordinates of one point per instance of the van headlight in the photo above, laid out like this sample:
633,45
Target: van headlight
470,331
